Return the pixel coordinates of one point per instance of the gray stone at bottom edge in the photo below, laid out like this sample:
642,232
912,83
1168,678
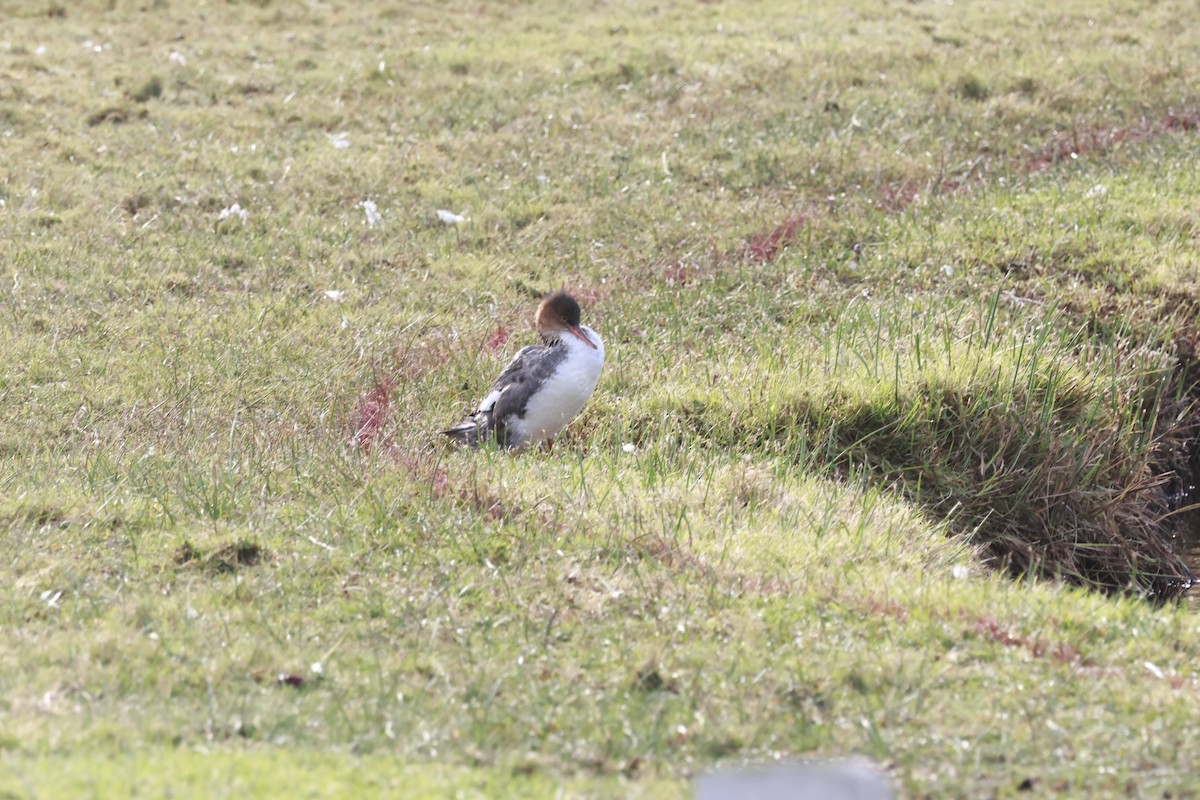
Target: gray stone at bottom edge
841,781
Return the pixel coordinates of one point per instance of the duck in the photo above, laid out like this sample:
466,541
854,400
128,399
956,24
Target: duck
543,388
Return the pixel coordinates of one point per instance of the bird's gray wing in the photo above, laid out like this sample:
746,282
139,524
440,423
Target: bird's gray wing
523,376
509,395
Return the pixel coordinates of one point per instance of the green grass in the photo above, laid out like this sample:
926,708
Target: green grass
294,773
900,309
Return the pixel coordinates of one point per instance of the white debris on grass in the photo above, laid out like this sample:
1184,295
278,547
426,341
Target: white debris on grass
450,218
233,211
372,212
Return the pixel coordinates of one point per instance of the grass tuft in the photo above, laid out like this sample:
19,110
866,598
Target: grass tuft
150,90
228,557
971,87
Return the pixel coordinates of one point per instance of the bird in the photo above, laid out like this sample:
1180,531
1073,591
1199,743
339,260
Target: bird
544,386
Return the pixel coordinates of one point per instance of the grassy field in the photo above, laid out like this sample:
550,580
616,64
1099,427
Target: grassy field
900,303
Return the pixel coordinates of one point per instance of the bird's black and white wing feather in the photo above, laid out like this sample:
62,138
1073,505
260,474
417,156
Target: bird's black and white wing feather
508,398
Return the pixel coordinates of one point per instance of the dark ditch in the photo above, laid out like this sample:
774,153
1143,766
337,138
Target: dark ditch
1181,493
1178,464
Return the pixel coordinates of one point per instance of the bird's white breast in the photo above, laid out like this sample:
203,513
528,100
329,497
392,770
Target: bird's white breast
561,397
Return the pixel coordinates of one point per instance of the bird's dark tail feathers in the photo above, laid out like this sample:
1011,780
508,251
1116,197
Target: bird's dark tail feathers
471,431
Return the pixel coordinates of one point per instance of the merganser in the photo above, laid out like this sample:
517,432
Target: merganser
543,387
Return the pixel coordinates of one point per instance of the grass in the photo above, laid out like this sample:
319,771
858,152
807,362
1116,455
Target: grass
900,311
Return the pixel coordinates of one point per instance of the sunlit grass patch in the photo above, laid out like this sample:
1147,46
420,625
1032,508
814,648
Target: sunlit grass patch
1099,230
737,520
215,772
